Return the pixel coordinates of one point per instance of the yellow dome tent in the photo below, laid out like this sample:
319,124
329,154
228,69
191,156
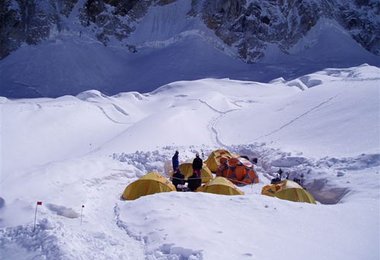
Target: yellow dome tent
220,185
288,190
187,170
213,159
150,183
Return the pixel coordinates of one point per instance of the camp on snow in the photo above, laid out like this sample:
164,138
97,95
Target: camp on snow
230,170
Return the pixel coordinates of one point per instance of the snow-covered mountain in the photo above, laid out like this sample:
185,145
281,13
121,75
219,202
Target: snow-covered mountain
57,47
76,154
96,93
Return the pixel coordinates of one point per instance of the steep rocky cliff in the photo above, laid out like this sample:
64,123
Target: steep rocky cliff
251,25
246,26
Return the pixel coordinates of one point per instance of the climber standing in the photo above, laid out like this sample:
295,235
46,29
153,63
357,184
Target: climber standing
195,180
175,161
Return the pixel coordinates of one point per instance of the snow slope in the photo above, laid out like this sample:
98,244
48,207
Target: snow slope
76,154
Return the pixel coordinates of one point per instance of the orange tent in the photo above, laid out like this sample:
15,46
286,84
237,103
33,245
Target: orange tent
241,171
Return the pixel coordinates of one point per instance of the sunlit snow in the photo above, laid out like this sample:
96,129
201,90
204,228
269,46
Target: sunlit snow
83,150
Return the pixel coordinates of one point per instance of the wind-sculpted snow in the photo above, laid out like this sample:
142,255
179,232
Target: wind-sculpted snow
144,161
63,211
163,252
361,162
23,242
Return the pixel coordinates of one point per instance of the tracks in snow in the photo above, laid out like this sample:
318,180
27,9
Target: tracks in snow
110,118
213,131
297,118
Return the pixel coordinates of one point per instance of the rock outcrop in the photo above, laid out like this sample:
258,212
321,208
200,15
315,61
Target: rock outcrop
247,26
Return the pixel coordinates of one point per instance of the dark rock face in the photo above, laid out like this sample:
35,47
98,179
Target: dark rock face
247,25
251,25
361,23
112,18
30,21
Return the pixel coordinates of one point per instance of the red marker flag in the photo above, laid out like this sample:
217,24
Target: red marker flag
39,202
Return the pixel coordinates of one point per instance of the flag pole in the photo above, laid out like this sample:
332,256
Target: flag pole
81,214
35,215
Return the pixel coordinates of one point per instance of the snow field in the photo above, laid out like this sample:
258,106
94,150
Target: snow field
84,150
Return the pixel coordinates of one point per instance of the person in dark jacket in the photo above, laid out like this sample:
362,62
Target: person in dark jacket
278,177
197,164
175,162
195,180
178,179
254,160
